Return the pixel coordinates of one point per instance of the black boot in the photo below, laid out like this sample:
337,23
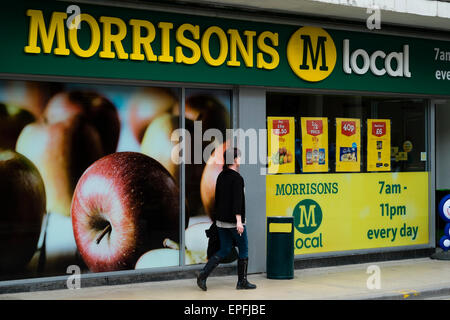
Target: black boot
212,263
242,275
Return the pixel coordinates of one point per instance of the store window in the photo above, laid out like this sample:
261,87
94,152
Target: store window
95,180
352,170
407,122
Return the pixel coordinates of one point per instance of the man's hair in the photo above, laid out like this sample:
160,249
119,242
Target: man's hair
229,155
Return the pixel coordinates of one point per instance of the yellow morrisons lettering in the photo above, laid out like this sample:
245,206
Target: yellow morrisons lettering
192,43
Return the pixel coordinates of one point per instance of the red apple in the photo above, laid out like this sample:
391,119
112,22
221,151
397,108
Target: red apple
97,109
124,205
22,196
213,168
12,120
147,104
61,151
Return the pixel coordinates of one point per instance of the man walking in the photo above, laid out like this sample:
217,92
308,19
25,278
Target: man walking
229,217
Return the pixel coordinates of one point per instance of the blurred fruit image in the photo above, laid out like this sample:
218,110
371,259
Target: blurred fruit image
12,120
97,110
162,142
196,246
61,151
158,258
196,242
124,205
31,95
209,110
147,104
60,249
22,194
109,164
213,168
212,114
159,144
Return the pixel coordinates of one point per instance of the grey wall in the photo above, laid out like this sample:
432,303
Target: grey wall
443,145
252,115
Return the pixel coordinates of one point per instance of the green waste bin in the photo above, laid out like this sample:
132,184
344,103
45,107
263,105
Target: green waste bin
280,248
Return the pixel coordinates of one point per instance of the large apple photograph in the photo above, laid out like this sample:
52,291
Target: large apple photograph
91,176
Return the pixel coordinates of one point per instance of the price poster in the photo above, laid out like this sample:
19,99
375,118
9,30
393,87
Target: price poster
348,145
378,145
281,144
314,144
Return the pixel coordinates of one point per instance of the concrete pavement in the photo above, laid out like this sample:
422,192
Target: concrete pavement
402,279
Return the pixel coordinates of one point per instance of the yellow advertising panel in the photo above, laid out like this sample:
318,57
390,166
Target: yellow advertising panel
378,145
314,144
281,144
338,212
348,145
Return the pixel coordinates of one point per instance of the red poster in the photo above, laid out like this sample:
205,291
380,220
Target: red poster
314,127
348,128
378,129
280,127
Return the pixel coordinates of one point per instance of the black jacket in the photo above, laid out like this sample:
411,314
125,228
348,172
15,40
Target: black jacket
229,196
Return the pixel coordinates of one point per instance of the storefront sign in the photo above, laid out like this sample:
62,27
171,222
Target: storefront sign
378,145
281,144
311,62
348,145
401,59
314,144
338,212
41,38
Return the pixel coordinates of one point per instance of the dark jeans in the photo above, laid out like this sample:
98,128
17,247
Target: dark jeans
226,236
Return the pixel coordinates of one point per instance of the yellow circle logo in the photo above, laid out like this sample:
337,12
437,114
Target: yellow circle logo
311,54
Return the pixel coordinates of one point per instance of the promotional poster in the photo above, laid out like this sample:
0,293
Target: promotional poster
281,142
338,212
315,144
378,145
348,145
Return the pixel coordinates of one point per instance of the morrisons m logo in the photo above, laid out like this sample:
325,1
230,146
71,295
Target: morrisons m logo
314,55
307,216
311,54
